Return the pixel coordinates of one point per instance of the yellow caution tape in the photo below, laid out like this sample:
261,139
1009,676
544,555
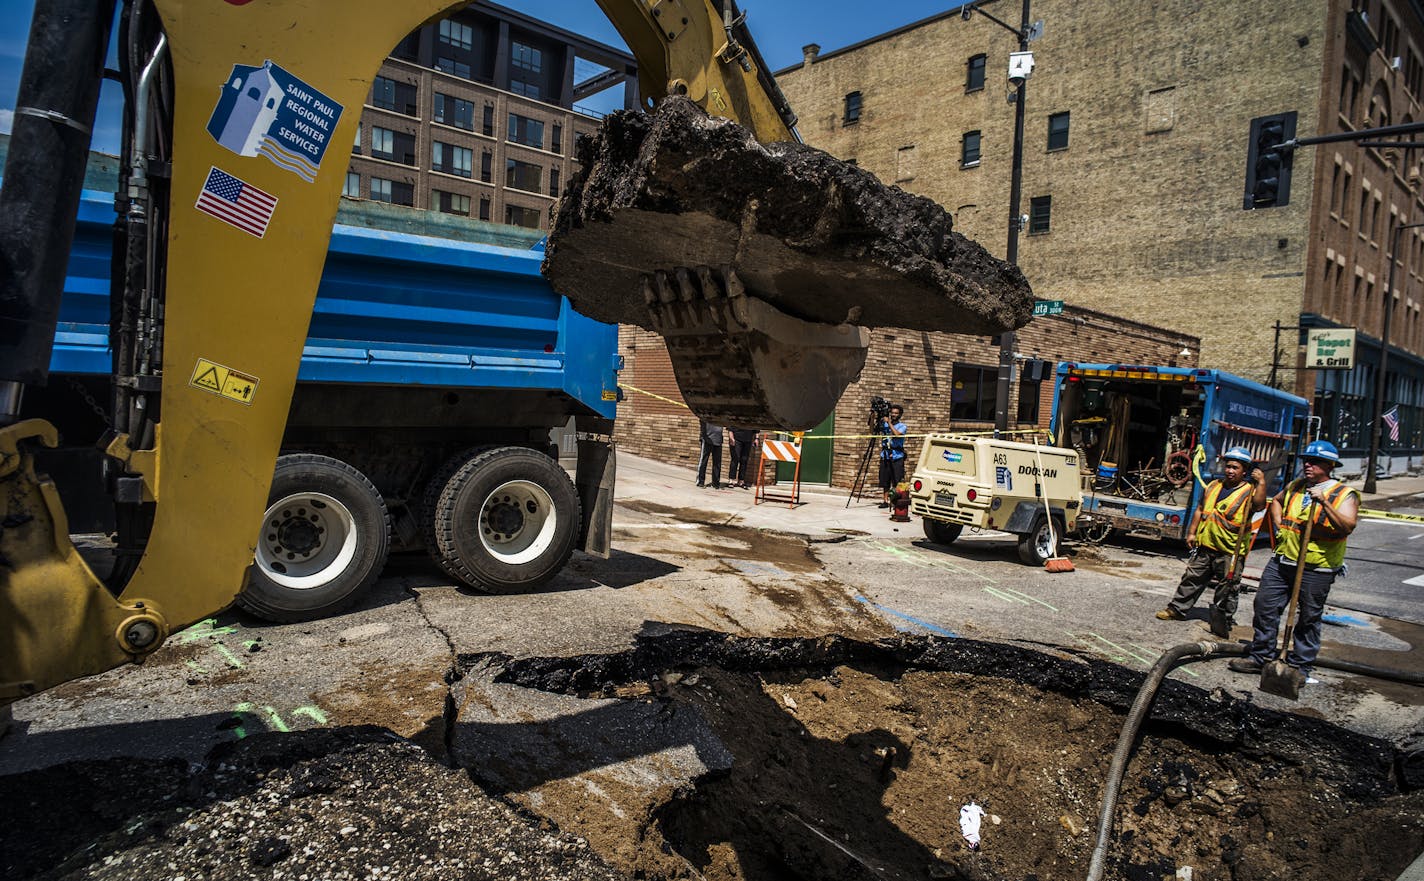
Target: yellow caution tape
632,388
1390,515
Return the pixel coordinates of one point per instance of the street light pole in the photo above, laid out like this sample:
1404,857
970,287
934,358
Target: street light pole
1011,252
1378,403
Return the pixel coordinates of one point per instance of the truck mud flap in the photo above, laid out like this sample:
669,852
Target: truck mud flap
594,478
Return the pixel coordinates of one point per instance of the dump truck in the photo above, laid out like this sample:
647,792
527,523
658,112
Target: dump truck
1029,490
1148,439
761,260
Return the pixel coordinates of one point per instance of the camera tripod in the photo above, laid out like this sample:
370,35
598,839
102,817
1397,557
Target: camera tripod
857,487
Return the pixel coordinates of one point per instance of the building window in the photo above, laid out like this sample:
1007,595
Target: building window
556,139
486,173
1039,210
451,66
1028,400
972,397
526,131
454,111
356,148
484,208
969,152
353,185
450,159
852,109
1058,131
553,182
526,65
383,93
383,143
395,192
974,80
520,87
450,203
487,124
514,215
522,176
452,33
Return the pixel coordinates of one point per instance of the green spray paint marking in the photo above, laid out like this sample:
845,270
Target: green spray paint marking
273,719
1140,658
232,660
196,667
1031,599
1149,650
995,592
925,561
311,711
203,630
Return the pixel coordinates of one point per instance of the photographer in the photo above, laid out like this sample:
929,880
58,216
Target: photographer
892,450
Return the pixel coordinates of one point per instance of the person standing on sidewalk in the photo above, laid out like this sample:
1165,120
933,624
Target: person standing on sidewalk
711,448
742,440
892,452
1227,505
1333,509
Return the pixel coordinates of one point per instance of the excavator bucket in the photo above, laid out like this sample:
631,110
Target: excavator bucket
762,265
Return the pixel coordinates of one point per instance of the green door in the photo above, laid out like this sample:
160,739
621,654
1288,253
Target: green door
815,456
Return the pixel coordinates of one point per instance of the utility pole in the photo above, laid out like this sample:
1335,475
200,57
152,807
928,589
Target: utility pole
1011,253
1378,403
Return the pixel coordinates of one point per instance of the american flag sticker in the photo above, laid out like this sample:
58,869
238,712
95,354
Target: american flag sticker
236,202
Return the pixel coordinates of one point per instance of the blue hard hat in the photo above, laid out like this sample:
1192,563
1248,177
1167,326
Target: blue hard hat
1239,454
1322,450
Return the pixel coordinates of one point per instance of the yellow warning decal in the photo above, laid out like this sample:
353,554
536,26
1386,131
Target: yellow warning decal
234,384
610,395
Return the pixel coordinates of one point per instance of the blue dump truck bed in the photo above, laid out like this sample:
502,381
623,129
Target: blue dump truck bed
393,308
1150,436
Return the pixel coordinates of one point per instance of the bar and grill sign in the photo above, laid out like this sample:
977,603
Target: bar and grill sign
1330,348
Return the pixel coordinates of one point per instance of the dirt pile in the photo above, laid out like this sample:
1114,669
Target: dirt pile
819,239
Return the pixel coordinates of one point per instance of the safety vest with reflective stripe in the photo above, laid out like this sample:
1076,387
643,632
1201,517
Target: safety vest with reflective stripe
1327,541
1222,515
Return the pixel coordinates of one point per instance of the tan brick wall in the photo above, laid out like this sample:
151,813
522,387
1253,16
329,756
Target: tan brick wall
911,368
1147,218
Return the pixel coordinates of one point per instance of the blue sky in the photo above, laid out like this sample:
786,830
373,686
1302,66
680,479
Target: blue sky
781,28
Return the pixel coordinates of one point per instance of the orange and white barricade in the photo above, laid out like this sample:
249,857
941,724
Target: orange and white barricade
779,451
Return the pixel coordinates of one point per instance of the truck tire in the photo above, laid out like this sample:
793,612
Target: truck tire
941,533
507,521
430,505
324,541
1038,545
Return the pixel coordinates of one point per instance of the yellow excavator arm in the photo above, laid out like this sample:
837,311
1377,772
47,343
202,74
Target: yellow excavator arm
248,221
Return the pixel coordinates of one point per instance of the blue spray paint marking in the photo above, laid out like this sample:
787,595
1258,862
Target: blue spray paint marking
932,628
1345,621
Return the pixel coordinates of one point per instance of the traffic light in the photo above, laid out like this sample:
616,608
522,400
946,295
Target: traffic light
1268,166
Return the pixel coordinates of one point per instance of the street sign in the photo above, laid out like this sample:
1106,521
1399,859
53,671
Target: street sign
1047,307
1330,348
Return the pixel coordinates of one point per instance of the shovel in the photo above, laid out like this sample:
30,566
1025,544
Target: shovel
1220,624
1278,677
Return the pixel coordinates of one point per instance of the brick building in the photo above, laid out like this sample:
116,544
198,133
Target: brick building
943,380
475,115
1135,152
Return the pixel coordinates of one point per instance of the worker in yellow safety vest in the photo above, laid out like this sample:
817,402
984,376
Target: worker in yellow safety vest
1334,510
1227,504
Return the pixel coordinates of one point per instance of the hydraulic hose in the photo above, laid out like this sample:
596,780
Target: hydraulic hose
1412,677
1185,653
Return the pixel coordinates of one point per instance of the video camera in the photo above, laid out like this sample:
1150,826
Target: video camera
879,409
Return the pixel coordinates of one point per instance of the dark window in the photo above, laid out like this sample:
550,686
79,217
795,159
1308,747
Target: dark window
484,208
356,148
395,192
1058,131
454,111
1039,210
383,93
409,48
520,87
1028,400
972,398
487,125
526,66
450,159
522,176
517,216
974,81
450,203
969,156
852,108
452,33
553,182
392,146
450,65
353,185
485,171
556,139
526,131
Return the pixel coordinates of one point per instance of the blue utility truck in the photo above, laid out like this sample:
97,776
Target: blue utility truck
1149,436
434,372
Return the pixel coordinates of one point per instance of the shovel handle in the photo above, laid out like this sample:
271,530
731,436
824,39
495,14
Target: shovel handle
1299,574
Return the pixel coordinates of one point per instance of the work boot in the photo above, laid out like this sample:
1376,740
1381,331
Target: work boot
1170,614
1245,665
